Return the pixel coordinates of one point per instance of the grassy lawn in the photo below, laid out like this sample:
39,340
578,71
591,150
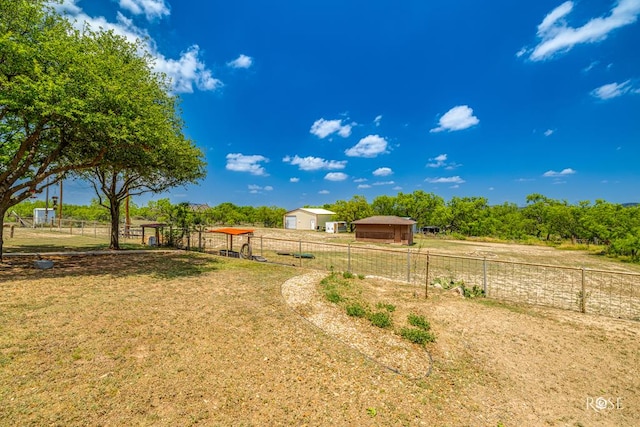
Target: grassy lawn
29,240
184,339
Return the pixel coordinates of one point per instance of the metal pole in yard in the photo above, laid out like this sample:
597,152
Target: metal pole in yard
349,257
408,265
583,300
484,276
300,251
261,253
426,280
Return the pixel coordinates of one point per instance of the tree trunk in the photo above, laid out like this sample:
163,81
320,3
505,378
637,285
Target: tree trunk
3,211
114,209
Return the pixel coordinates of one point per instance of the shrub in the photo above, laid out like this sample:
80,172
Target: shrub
389,307
418,322
356,310
418,336
473,292
447,283
333,296
348,275
380,319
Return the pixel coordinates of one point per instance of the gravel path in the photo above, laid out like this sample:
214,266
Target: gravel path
379,345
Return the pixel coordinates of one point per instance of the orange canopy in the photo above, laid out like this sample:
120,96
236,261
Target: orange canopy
232,231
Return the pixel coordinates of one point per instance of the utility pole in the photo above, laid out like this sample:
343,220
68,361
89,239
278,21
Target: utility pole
46,204
127,217
60,206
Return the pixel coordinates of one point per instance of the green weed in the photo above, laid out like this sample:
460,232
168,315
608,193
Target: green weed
380,319
356,310
418,322
418,336
383,306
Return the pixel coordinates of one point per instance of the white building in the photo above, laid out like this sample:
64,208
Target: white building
307,219
43,216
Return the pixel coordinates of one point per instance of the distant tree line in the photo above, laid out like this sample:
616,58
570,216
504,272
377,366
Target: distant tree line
163,210
615,226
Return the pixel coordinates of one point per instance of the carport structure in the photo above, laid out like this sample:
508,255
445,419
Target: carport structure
157,227
245,249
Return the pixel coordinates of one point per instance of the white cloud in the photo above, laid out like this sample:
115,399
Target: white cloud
314,163
384,183
446,180
556,36
255,189
240,163
548,132
369,146
242,61
377,120
323,128
590,66
151,9
563,172
323,192
440,161
363,186
360,180
336,176
554,16
458,118
612,90
294,179
185,72
382,172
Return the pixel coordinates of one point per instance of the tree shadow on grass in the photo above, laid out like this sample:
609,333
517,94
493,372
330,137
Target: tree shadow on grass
44,248
161,265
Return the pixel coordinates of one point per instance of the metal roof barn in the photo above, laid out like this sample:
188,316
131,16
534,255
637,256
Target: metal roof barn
307,219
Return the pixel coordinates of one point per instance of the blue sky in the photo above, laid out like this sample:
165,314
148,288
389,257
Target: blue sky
305,103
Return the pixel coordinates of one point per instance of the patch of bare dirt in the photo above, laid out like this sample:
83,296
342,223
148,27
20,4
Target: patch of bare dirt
510,364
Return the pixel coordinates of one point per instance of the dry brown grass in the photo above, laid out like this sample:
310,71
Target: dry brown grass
183,339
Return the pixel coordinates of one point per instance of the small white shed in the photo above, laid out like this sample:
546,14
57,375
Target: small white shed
43,216
307,219
336,227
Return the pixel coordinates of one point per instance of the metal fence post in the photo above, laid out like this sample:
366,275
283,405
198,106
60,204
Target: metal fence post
300,251
408,265
426,280
261,253
349,257
484,276
583,299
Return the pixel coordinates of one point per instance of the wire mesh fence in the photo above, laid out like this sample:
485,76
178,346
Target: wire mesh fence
609,293
64,227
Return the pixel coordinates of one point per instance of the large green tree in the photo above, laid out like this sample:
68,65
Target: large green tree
155,155
351,210
53,117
